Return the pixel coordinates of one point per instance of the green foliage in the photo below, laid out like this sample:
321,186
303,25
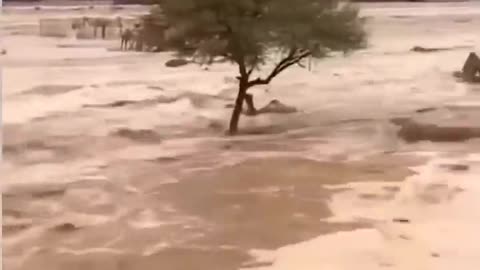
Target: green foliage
245,31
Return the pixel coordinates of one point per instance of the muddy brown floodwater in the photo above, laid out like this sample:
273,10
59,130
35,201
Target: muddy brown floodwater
206,219
112,161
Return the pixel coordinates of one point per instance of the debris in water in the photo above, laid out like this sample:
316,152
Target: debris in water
176,63
456,167
421,49
401,220
65,227
119,103
424,110
153,87
424,49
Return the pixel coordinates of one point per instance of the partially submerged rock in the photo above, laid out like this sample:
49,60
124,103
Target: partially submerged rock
425,49
142,135
421,49
65,227
115,104
456,167
176,63
401,220
425,110
276,106
471,68
412,131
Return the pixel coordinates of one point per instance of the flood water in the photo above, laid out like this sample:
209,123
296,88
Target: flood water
113,161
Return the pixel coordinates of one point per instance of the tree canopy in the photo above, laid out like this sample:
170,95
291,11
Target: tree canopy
249,32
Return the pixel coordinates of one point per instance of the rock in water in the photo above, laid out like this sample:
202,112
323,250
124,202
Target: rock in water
434,49
425,110
424,50
65,227
401,220
455,167
412,131
471,68
176,63
276,106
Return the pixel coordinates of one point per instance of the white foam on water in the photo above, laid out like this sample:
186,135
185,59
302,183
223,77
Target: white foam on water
154,249
88,251
146,219
440,235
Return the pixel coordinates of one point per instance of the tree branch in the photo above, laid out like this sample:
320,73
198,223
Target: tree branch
294,57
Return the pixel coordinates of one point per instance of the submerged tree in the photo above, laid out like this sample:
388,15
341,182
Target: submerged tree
250,32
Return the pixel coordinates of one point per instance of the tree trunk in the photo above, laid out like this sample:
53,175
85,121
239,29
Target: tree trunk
251,110
104,31
237,110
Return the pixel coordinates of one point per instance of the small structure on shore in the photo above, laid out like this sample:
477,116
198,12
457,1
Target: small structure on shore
150,32
85,27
